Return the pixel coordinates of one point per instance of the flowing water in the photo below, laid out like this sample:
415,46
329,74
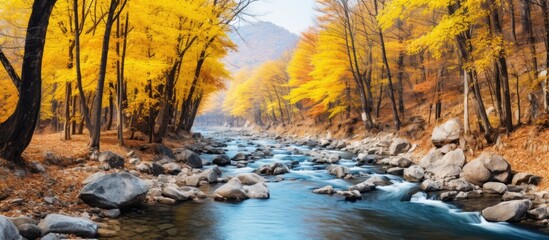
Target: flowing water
398,211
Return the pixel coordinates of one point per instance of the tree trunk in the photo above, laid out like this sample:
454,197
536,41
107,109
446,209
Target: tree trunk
545,85
68,94
96,128
17,131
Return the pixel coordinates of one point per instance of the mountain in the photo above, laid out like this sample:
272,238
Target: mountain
257,43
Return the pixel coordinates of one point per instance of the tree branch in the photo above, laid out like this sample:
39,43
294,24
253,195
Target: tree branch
11,71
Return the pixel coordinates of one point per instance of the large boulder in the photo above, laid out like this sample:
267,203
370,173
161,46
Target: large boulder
399,146
414,173
232,190
171,168
115,190
446,133
55,223
378,180
430,185
8,231
460,185
250,178
211,175
222,160
362,187
29,231
190,158
258,190
448,167
113,160
338,171
434,155
174,193
510,211
487,167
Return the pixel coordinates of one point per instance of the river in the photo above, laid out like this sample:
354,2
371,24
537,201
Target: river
398,211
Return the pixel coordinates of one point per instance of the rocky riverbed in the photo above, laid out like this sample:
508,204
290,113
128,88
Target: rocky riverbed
234,184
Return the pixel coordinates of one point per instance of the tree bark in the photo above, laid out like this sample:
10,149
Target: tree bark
17,131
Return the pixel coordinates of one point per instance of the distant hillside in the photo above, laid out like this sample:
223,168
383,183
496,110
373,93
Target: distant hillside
258,43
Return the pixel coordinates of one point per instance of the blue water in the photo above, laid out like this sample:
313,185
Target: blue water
294,212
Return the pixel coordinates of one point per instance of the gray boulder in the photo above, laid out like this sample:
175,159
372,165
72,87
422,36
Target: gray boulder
29,231
338,171
325,190
430,185
171,168
174,193
363,187
222,160
8,231
448,196
115,190
55,223
510,211
190,158
250,178
239,157
494,187
351,195
446,133
378,180
232,190
113,160
525,178
538,213
414,173
508,196
399,146
432,156
449,166
211,175
487,168
404,163
258,191
273,169
460,185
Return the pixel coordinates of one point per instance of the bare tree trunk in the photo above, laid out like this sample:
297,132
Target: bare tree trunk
17,131
68,94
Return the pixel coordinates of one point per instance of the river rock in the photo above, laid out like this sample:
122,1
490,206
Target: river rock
494,187
431,185
414,173
211,175
395,171
448,196
174,193
250,178
378,180
258,191
8,231
363,187
190,158
29,231
399,146
232,190
434,155
351,195
510,211
338,171
113,160
276,168
508,196
486,168
143,168
460,185
222,160
448,167
538,213
446,133
115,190
239,157
171,168
525,178
50,236
56,223
364,159
403,163
325,190
161,149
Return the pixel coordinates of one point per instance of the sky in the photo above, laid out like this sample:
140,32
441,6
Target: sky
294,15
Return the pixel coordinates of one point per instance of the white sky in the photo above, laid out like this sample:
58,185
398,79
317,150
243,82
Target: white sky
294,15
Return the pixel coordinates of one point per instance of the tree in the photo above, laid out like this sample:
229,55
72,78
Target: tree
16,132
